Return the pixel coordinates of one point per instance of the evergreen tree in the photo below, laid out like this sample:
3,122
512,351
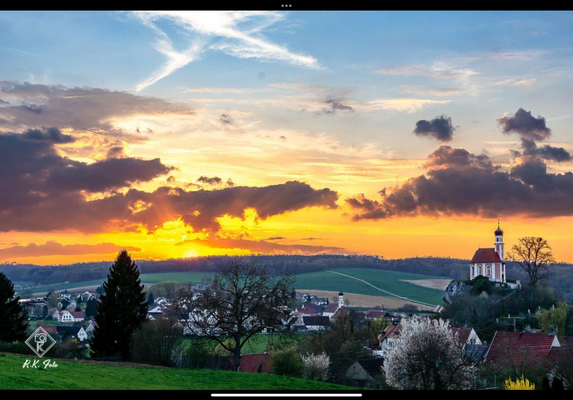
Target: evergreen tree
12,322
151,299
91,308
121,310
557,384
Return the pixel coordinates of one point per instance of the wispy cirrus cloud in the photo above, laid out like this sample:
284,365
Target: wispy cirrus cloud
235,33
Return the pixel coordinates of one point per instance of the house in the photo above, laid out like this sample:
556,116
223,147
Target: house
65,295
513,349
321,301
79,316
55,313
366,372
310,309
65,332
334,307
388,337
82,335
375,314
316,323
467,336
156,312
85,297
90,327
66,316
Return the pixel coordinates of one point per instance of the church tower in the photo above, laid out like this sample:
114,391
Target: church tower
498,245
340,299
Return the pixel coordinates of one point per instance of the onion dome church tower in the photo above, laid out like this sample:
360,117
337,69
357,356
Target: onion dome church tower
490,262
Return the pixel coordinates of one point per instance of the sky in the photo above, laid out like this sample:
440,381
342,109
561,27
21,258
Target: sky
183,134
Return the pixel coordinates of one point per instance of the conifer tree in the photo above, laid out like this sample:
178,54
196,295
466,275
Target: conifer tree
121,310
91,308
12,321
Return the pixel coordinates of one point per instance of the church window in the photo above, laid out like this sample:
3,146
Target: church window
479,270
488,270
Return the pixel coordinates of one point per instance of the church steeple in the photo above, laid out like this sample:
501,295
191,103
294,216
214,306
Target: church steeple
498,245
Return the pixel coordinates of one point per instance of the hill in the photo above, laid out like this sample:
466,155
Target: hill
105,376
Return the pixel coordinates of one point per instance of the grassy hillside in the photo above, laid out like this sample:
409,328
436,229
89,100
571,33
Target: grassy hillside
324,280
77,376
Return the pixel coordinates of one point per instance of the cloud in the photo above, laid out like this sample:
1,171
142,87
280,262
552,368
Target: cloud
403,104
517,55
105,175
439,128
239,34
440,70
334,105
33,173
43,191
276,238
52,248
546,152
516,82
457,182
262,246
226,119
76,108
215,180
525,125
425,91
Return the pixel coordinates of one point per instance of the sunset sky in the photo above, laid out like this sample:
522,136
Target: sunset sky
183,134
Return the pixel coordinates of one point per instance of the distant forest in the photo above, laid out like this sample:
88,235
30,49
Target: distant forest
561,279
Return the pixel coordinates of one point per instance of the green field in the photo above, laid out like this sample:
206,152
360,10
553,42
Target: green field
323,280
86,376
386,280
260,343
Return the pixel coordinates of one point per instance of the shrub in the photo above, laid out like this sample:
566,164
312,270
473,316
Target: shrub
155,341
519,384
316,367
288,363
194,356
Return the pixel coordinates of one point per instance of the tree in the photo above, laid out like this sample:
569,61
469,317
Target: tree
53,300
150,299
554,319
533,255
430,356
121,310
91,307
243,299
287,363
12,322
155,341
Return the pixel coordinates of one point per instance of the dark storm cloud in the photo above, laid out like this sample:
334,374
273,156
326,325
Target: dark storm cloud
116,152
458,182
439,128
34,106
42,191
525,125
332,105
264,247
53,248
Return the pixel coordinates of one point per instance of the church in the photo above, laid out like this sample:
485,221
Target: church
490,262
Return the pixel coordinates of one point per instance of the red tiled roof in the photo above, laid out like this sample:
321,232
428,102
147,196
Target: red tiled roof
517,348
390,331
375,314
332,307
463,334
485,256
78,314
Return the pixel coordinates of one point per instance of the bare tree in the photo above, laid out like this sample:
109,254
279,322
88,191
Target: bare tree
243,299
533,255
